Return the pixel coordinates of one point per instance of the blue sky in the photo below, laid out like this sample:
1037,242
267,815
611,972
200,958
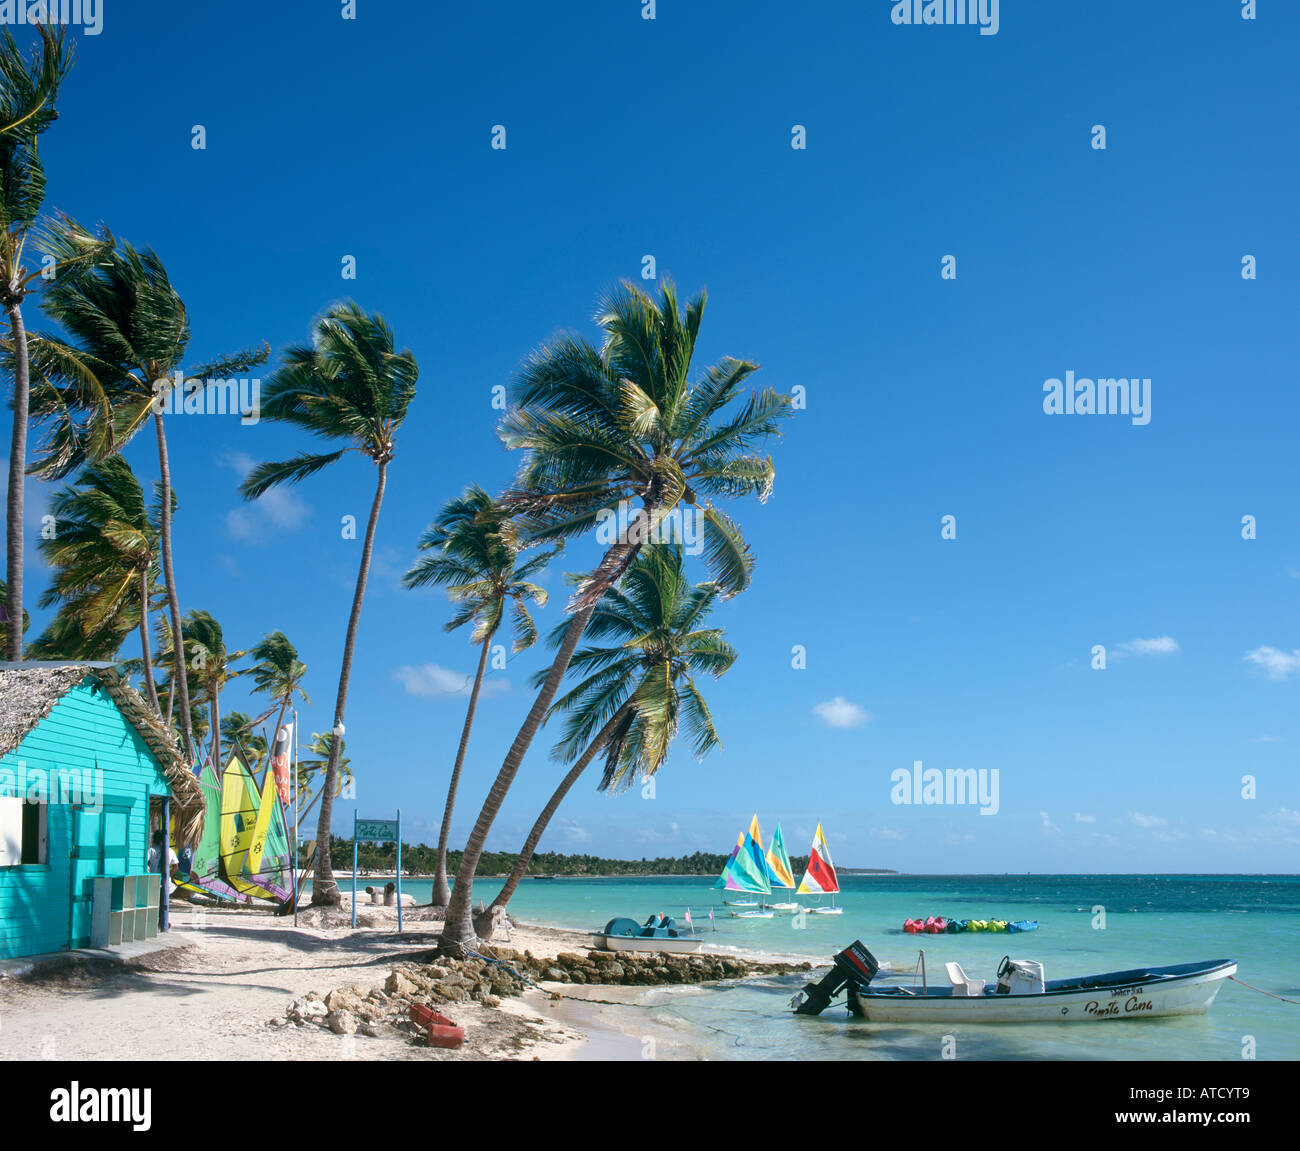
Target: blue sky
671,137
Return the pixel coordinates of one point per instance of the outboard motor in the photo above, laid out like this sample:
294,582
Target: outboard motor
854,963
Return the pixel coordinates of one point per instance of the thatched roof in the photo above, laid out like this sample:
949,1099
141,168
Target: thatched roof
29,691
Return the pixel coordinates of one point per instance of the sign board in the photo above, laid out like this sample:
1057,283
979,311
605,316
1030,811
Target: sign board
377,829
384,830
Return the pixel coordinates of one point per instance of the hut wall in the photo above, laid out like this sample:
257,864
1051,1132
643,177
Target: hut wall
97,775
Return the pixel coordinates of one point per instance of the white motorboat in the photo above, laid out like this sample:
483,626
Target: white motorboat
1020,995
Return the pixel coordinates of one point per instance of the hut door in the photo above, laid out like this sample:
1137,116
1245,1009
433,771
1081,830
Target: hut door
99,847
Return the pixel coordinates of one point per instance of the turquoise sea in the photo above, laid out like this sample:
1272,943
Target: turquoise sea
1148,920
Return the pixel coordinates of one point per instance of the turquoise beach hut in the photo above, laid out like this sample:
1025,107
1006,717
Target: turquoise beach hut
87,772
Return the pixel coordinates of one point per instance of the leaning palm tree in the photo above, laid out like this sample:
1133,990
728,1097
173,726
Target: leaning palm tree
105,557
349,384
638,689
618,439
129,330
474,549
29,88
212,665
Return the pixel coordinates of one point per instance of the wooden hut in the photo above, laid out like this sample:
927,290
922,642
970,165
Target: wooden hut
86,771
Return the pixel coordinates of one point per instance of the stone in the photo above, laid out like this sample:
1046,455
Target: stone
342,1022
491,1001
398,984
369,1029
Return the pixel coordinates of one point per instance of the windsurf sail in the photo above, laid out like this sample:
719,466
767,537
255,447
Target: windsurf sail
280,761
204,874
820,877
246,824
779,871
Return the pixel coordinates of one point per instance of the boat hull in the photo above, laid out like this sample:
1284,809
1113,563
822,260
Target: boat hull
1162,992
679,946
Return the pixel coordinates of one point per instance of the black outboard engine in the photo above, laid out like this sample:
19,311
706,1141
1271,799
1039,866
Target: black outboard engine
855,963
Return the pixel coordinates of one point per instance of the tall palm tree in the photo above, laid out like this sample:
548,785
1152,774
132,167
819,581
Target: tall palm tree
349,384
474,548
129,332
312,773
29,88
638,689
105,556
212,665
623,429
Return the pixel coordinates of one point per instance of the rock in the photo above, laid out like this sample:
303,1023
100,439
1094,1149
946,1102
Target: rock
277,1023
570,959
397,984
343,999
370,1029
342,1022
491,1001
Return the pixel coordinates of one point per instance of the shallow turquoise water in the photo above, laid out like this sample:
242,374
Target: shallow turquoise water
1148,920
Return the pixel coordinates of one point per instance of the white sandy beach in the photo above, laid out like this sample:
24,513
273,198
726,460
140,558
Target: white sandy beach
226,974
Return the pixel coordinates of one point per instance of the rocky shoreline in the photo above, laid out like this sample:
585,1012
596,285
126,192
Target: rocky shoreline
353,1009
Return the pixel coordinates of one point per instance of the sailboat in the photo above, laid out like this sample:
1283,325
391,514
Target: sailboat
820,877
746,871
779,871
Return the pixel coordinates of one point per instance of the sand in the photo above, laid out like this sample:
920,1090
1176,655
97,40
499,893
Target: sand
224,974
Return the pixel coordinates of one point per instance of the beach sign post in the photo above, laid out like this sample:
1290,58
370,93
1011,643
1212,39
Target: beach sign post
377,831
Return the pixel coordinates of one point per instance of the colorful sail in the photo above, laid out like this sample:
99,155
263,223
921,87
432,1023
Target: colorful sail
204,875
779,871
726,867
820,878
755,838
241,824
743,874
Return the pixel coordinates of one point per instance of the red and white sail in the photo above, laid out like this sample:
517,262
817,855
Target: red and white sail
820,878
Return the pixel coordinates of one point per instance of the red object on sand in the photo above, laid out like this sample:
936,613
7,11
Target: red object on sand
442,1031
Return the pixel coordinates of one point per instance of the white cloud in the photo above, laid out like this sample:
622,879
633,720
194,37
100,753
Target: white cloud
1137,819
430,681
886,833
1284,815
1159,645
1079,817
279,509
1049,828
839,712
1276,664
955,837
1269,739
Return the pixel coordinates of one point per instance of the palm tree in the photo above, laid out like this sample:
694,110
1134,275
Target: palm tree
475,548
278,672
237,728
129,332
29,88
348,384
4,600
104,552
206,655
312,772
638,689
616,430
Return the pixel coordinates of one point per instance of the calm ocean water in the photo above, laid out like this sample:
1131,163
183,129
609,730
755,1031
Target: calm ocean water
1149,920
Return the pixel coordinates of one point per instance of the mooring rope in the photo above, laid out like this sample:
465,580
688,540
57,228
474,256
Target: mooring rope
1294,1002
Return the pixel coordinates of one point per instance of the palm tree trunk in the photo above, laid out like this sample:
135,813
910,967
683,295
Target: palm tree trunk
180,676
548,812
441,891
17,474
216,727
458,926
144,642
324,890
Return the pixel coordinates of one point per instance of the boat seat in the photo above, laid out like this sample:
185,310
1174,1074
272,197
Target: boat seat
963,984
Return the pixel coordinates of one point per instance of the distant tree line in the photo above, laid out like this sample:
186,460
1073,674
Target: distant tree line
422,858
